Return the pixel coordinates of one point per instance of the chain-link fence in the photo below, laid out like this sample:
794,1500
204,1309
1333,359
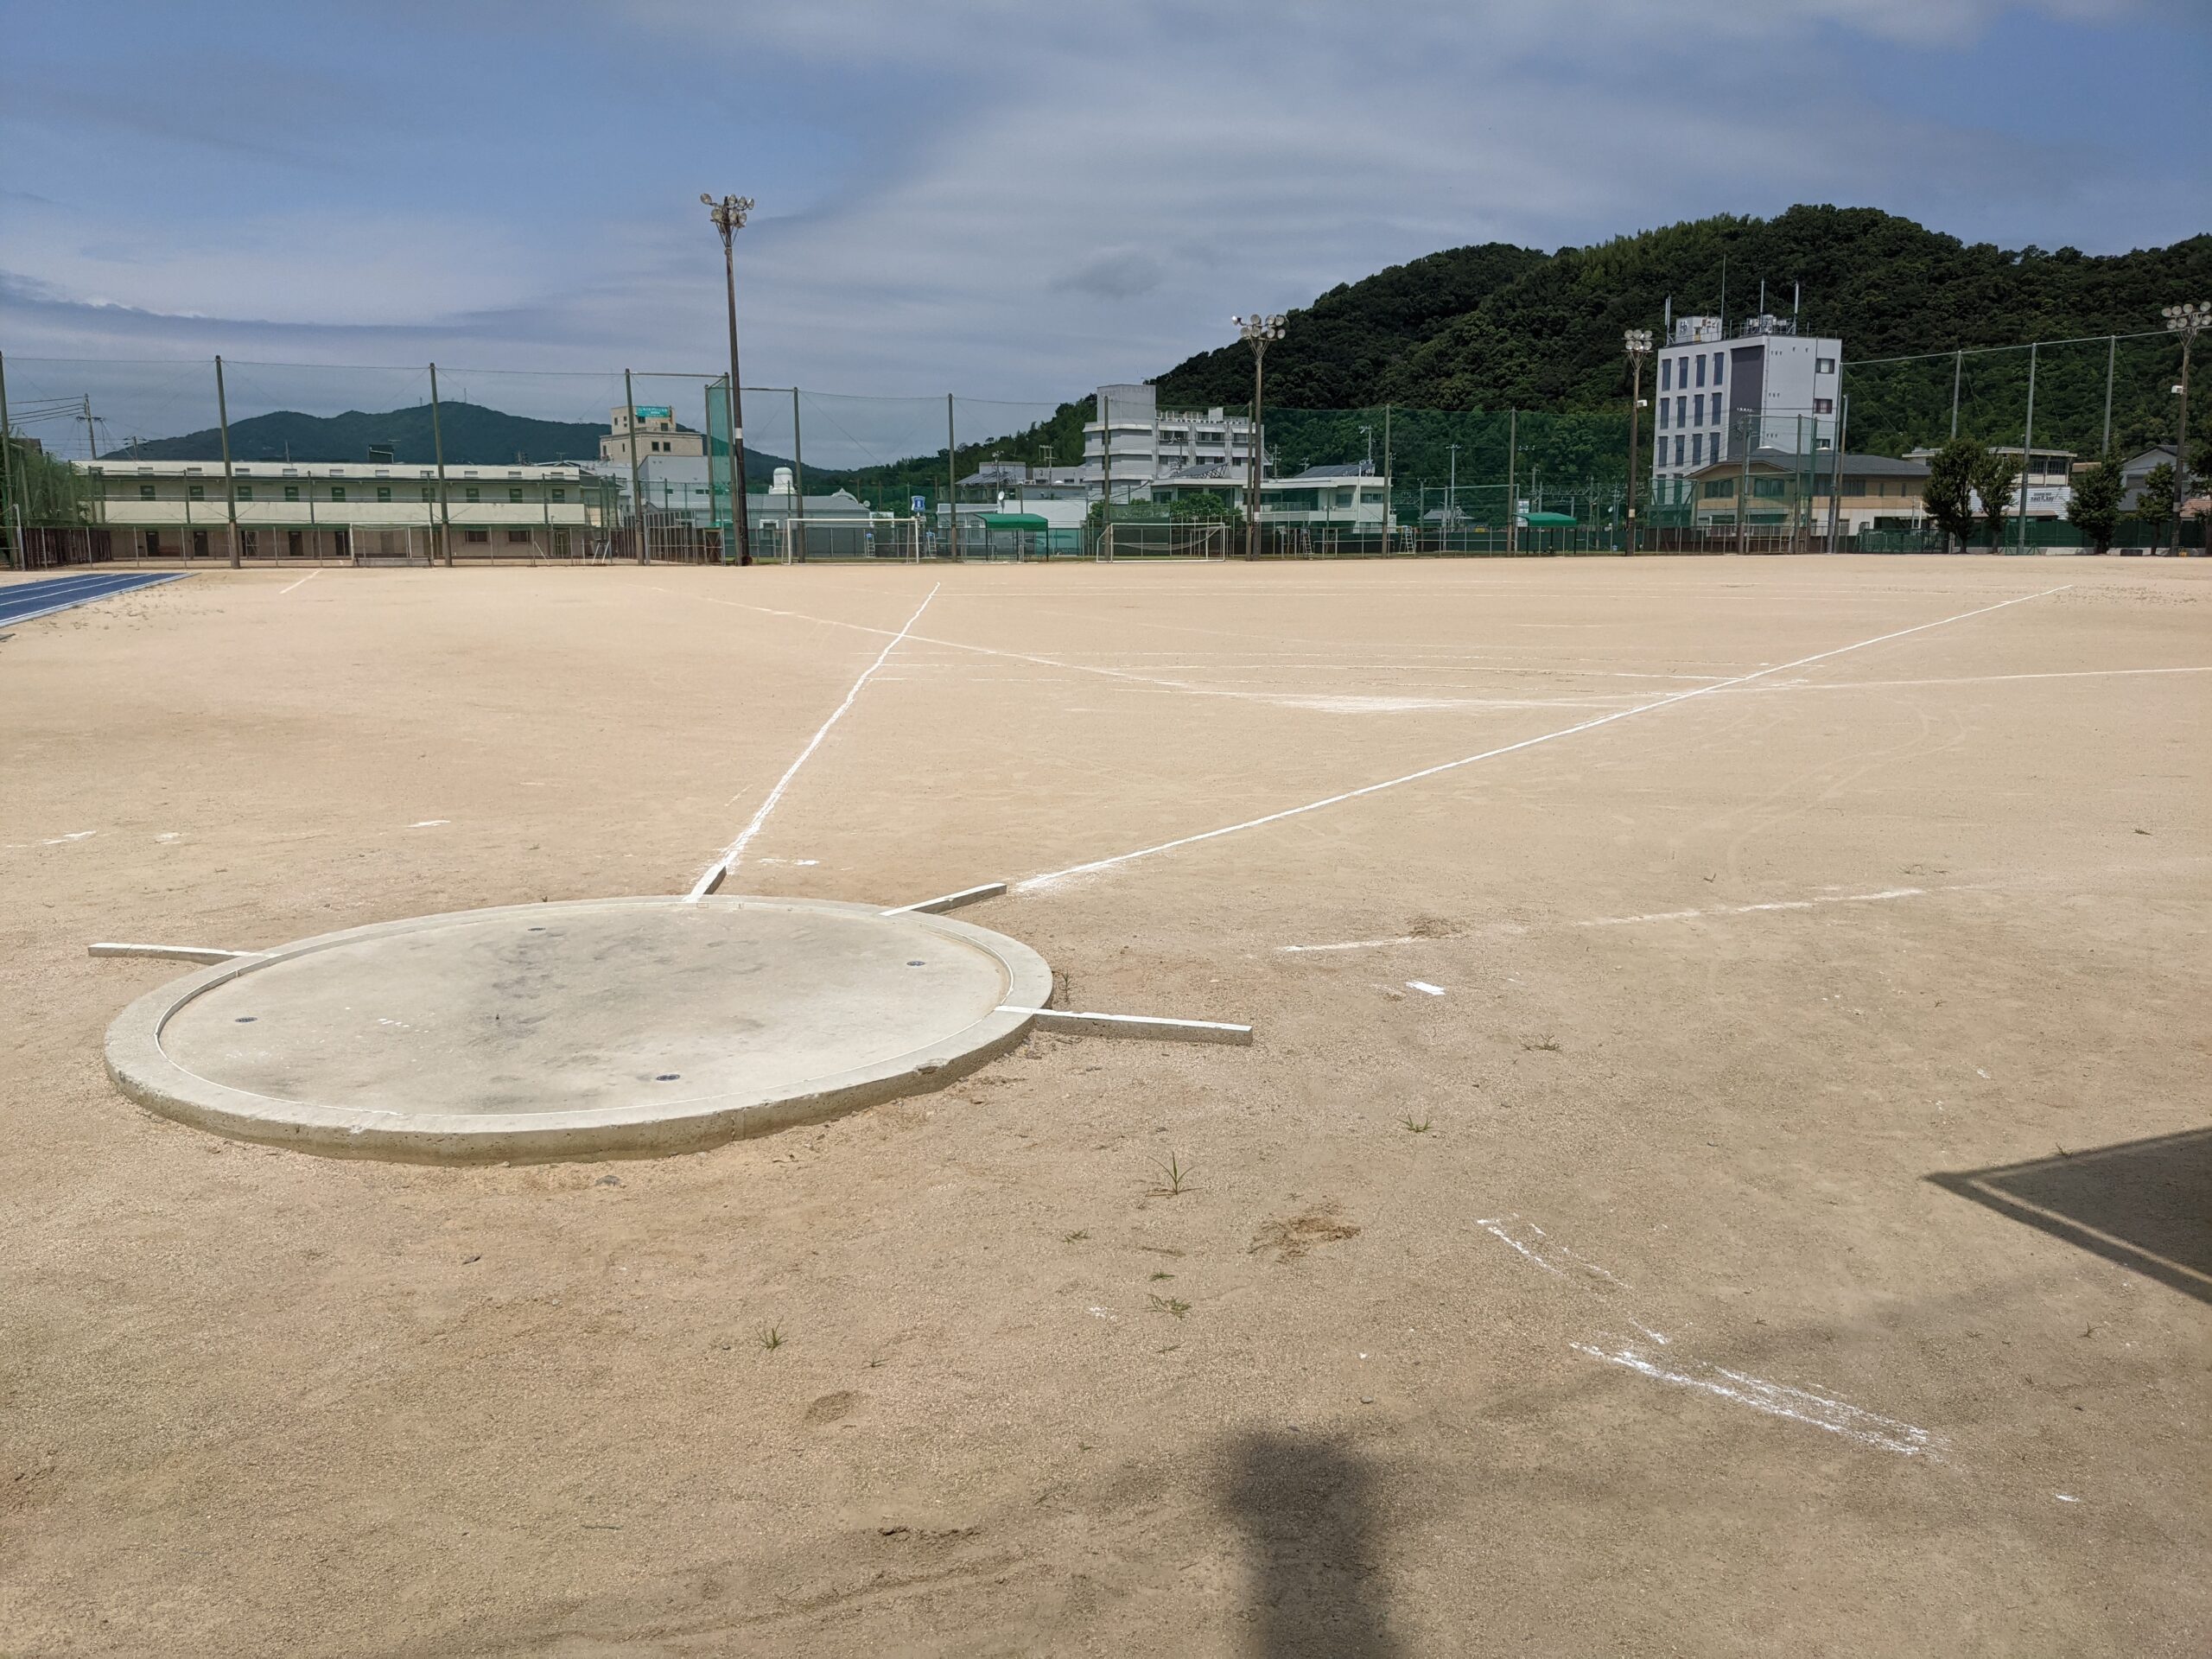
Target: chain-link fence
184,460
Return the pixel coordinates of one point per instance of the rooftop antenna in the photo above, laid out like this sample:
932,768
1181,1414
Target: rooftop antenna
1724,293
1670,316
1762,296
1796,297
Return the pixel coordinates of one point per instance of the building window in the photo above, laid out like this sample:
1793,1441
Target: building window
338,492
245,492
1681,411
1697,448
1824,366
1717,489
1700,410
291,491
470,491
384,492
1717,359
1823,405
560,494
518,536
1700,368
1716,408
476,534
430,495
513,493
145,492
1664,407
196,491
1666,374
1678,452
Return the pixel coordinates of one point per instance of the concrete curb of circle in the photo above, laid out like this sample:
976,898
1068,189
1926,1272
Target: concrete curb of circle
145,1073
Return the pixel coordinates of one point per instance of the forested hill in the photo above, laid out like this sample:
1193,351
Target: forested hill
1493,327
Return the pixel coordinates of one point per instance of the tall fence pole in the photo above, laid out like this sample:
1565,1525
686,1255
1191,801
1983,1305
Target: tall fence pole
1813,463
1512,482
739,507
1958,368
1389,507
2027,449
951,482
438,454
2112,358
637,489
1106,475
11,539
230,483
798,482
2181,442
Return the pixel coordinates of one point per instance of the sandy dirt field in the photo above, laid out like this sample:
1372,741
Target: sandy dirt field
1688,1194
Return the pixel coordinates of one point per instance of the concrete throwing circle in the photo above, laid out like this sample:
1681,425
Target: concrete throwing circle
563,1030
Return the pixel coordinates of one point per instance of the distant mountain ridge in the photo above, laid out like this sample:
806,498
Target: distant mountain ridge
473,434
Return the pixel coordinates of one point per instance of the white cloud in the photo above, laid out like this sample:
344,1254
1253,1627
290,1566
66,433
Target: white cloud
1016,201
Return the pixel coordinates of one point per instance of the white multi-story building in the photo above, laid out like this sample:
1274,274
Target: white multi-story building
1718,398
1144,442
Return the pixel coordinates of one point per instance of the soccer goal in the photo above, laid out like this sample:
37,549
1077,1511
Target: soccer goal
1164,538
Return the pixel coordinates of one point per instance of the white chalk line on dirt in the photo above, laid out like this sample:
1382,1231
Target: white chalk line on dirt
1319,703
301,582
722,867
1052,878
1818,900
1972,679
1886,895
1774,1399
1778,1400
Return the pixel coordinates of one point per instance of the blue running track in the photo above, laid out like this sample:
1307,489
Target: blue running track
21,602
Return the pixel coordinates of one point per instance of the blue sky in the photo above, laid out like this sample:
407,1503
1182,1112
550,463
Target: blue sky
1010,201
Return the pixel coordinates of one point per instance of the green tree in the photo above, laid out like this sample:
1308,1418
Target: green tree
1206,504
2094,510
2154,502
1992,481
1948,493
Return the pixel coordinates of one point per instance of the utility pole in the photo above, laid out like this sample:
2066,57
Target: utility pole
2187,321
1258,330
230,484
1638,343
728,216
92,442
438,451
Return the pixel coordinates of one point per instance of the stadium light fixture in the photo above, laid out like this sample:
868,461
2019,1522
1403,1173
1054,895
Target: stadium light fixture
728,216
1636,342
1259,330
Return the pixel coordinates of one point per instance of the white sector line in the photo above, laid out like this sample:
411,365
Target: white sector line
712,877
1051,877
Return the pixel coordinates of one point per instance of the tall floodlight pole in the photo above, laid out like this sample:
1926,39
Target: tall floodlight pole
728,217
1637,344
2187,321
1258,330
